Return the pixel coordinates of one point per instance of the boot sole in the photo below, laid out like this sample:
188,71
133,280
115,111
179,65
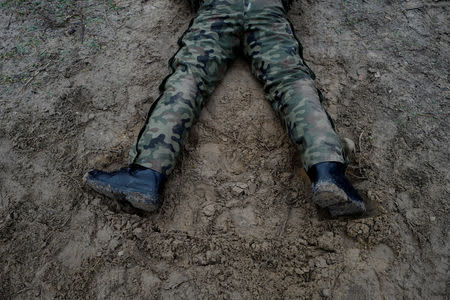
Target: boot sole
336,200
137,200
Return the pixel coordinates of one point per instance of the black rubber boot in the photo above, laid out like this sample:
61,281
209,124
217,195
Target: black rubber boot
135,184
331,189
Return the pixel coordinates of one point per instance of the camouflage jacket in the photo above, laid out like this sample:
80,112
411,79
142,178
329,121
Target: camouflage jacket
195,4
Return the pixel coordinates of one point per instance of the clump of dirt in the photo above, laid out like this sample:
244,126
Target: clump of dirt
77,78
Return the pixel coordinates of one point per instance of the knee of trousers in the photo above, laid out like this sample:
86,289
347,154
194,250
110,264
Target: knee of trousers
202,77
282,78
297,86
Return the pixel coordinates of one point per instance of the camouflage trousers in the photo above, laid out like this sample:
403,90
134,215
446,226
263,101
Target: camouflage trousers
219,31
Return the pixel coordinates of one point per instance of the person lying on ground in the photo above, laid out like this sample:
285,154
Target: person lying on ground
220,31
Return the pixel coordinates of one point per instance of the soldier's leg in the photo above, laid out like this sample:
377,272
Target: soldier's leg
276,60
206,49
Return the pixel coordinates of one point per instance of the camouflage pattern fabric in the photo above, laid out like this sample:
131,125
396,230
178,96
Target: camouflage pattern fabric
195,4
220,29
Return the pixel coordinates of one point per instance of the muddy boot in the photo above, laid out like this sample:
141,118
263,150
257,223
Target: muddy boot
137,185
331,189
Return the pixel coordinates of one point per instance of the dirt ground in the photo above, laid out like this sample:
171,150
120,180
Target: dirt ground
76,81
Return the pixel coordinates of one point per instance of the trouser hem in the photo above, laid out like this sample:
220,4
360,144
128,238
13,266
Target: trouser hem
324,158
149,165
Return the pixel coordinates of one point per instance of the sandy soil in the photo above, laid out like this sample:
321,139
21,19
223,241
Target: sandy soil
76,80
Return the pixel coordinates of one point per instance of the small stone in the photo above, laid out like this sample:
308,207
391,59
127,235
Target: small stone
120,253
358,230
113,244
237,191
252,188
432,218
265,246
327,242
200,260
330,261
349,146
209,210
286,176
326,292
320,262
210,197
299,271
241,185
302,242
212,257
168,255
138,232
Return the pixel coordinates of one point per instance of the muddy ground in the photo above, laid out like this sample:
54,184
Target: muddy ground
76,81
